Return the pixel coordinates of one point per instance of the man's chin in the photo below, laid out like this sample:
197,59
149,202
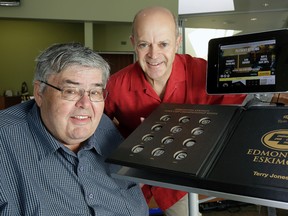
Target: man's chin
82,133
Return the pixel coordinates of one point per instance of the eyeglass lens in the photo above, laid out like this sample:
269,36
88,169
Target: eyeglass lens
97,94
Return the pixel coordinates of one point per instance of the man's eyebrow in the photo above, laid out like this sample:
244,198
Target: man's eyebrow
77,83
99,85
71,82
142,41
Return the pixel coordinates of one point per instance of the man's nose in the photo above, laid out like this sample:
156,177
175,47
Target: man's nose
153,51
85,99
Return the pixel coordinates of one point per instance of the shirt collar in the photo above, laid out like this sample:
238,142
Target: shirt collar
106,137
45,143
178,70
138,81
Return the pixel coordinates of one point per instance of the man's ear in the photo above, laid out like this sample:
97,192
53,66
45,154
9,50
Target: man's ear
178,42
37,93
132,40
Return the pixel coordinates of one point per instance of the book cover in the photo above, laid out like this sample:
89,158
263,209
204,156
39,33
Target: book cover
256,155
180,139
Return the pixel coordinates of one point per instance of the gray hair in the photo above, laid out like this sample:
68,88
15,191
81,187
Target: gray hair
60,56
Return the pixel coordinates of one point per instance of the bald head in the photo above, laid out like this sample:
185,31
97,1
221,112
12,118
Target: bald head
155,39
154,15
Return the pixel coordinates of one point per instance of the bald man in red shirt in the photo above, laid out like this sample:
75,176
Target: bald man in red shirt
159,76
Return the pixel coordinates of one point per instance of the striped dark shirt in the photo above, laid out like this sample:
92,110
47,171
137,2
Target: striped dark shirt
40,176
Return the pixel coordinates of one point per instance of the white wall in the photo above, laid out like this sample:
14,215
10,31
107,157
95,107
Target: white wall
83,10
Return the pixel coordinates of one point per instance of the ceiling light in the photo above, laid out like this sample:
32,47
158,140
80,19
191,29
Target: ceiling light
204,6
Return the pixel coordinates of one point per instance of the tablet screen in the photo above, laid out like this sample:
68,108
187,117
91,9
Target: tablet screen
248,63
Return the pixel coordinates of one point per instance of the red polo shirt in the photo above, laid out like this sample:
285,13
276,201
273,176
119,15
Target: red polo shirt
132,97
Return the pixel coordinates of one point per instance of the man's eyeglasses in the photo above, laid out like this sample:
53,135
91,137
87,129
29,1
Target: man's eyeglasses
97,94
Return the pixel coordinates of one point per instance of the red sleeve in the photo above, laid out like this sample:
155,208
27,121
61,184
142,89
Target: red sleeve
164,197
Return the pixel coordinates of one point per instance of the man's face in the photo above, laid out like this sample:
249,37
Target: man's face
156,43
71,122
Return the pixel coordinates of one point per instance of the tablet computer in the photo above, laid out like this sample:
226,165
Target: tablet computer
251,63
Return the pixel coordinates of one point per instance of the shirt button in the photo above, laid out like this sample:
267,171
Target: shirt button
91,196
81,168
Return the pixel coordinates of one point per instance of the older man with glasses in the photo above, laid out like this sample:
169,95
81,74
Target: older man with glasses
53,148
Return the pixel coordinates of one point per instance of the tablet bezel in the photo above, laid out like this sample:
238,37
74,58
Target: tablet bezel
281,62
